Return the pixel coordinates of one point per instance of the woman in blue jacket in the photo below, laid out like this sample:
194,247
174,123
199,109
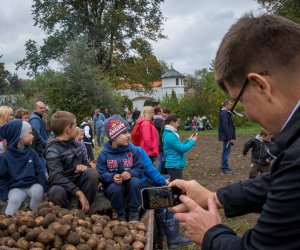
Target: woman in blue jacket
174,150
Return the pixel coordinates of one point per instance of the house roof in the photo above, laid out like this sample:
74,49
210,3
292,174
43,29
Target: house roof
154,84
172,73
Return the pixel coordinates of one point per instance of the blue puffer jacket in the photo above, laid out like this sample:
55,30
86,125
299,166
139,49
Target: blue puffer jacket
174,150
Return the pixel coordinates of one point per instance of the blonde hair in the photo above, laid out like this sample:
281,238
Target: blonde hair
60,120
146,112
79,130
5,112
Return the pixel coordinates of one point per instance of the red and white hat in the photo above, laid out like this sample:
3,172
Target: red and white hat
115,125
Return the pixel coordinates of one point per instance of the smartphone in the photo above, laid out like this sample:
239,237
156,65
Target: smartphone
160,197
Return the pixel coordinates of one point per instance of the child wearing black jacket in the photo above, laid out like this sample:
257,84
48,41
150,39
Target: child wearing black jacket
260,159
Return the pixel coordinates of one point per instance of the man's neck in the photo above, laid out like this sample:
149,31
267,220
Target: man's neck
63,137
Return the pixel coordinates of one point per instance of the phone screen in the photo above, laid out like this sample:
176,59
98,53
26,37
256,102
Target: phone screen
160,197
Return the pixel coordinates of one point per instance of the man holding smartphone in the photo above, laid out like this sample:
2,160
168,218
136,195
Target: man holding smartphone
258,63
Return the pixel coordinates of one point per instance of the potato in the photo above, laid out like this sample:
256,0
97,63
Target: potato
95,217
120,230
101,245
58,242
62,212
78,214
97,229
68,247
12,228
43,204
16,236
73,239
55,225
83,247
44,211
68,217
126,224
140,226
4,223
126,247
8,241
128,237
83,223
110,242
46,237
23,244
64,221
32,235
93,241
116,246
1,234
113,223
139,237
107,233
49,218
39,220
22,229
138,245
63,230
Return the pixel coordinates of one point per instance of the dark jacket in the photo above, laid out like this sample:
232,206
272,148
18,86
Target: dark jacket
159,123
112,161
36,122
259,150
226,126
19,168
62,158
276,196
37,143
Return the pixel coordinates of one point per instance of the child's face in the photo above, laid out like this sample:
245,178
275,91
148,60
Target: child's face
25,118
71,131
265,137
122,140
27,138
79,136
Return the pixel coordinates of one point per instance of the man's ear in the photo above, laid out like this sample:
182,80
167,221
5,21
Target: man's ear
262,83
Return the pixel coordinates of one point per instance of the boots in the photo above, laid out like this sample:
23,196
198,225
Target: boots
168,226
173,234
160,215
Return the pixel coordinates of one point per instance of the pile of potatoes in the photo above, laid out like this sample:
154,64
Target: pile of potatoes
53,227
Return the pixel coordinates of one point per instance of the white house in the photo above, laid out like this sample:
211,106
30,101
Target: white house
172,80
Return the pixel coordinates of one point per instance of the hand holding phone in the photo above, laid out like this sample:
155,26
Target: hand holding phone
160,197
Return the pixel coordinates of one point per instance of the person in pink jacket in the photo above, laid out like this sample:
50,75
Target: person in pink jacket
149,134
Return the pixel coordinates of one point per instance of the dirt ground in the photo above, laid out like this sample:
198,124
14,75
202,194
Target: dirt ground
204,166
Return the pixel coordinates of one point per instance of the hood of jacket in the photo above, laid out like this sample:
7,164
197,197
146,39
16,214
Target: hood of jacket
116,150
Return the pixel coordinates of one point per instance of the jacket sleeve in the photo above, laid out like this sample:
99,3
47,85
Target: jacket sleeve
150,171
276,196
39,172
101,166
56,170
174,143
3,179
247,146
35,123
225,124
138,166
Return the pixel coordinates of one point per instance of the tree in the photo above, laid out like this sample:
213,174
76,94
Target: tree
287,8
118,32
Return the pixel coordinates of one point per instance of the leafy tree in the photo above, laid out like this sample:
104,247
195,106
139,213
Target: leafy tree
118,32
287,8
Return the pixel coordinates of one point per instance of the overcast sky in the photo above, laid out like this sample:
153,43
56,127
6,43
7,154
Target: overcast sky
194,29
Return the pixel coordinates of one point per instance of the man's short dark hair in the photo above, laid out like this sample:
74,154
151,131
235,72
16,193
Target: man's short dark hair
171,118
256,44
157,110
60,120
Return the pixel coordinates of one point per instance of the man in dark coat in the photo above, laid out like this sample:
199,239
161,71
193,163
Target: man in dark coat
226,131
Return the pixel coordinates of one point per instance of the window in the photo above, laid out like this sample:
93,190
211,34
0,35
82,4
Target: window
177,81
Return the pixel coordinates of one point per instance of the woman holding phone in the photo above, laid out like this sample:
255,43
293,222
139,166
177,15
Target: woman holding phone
174,149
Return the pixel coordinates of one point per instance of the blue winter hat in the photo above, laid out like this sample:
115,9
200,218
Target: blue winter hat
115,125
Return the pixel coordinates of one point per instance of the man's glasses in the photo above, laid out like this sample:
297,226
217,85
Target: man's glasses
263,73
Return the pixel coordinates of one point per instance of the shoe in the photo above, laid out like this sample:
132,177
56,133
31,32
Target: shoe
172,230
133,217
227,172
230,169
121,217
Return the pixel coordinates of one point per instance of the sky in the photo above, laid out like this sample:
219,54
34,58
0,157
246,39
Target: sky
194,29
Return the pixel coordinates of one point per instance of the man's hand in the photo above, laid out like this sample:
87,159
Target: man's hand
118,179
80,168
125,176
194,191
85,206
196,221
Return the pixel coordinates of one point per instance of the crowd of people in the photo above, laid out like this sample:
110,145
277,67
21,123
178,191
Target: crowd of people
60,166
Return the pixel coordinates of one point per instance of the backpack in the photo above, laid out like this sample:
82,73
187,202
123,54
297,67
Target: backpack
136,134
